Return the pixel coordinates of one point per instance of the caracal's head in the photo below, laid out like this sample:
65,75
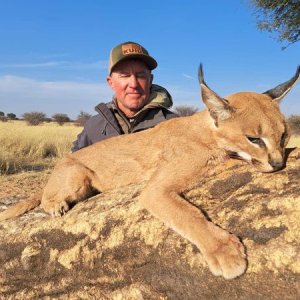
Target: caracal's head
249,125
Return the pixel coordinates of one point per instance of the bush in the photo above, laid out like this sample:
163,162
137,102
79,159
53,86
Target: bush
3,119
82,118
185,110
61,119
294,122
11,116
34,118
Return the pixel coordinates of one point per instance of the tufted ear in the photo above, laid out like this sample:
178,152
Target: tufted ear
281,90
218,107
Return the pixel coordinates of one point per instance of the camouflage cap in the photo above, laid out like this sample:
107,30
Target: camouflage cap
130,50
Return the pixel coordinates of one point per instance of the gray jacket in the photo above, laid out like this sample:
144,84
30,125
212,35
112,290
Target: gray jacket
111,122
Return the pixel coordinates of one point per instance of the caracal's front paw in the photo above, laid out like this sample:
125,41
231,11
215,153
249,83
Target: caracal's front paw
55,209
227,257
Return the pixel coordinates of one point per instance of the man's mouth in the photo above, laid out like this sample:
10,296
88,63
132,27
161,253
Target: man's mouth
134,95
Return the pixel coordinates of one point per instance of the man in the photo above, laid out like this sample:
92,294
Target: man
137,104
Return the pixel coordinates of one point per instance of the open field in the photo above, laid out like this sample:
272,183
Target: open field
26,147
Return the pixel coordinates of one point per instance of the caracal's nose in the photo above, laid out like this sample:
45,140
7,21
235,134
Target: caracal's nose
276,164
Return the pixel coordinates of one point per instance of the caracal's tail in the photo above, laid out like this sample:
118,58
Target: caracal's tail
21,207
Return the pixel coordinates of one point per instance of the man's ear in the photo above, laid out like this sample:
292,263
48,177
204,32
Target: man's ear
109,81
151,78
218,107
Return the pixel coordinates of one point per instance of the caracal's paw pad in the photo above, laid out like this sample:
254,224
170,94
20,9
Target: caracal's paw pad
56,209
228,259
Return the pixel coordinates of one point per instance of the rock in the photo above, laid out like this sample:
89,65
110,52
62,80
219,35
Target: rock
110,248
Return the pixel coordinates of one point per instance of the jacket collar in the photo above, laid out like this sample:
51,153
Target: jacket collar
105,111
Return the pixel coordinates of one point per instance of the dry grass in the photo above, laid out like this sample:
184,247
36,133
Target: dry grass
294,141
26,147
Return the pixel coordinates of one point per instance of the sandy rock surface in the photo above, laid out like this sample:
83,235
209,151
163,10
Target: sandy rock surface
110,248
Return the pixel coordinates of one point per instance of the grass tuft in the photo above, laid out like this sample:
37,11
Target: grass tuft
294,141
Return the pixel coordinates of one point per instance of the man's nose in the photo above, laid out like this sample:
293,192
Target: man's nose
133,80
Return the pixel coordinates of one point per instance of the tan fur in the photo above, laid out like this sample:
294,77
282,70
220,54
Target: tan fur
172,157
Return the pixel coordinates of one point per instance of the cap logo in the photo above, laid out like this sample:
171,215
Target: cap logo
132,49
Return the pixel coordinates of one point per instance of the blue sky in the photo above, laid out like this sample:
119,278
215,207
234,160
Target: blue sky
54,53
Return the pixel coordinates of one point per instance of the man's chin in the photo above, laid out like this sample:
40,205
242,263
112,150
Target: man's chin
135,102
135,97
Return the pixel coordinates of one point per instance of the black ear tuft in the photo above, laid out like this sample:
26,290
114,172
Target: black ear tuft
281,90
200,74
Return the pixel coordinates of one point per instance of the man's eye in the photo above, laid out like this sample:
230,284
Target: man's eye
141,75
256,141
124,75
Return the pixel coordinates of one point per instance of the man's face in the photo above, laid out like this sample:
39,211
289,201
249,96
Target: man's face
131,80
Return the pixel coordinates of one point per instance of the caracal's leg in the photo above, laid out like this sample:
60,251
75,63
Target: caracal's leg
69,183
223,252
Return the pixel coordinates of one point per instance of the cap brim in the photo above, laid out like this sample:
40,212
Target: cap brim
148,60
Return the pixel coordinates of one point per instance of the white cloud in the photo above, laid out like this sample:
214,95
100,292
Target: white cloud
20,94
188,76
58,65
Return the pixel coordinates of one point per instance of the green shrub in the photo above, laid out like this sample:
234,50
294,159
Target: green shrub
34,118
61,119
185,110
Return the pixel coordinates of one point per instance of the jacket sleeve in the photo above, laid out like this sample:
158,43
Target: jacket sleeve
81,142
